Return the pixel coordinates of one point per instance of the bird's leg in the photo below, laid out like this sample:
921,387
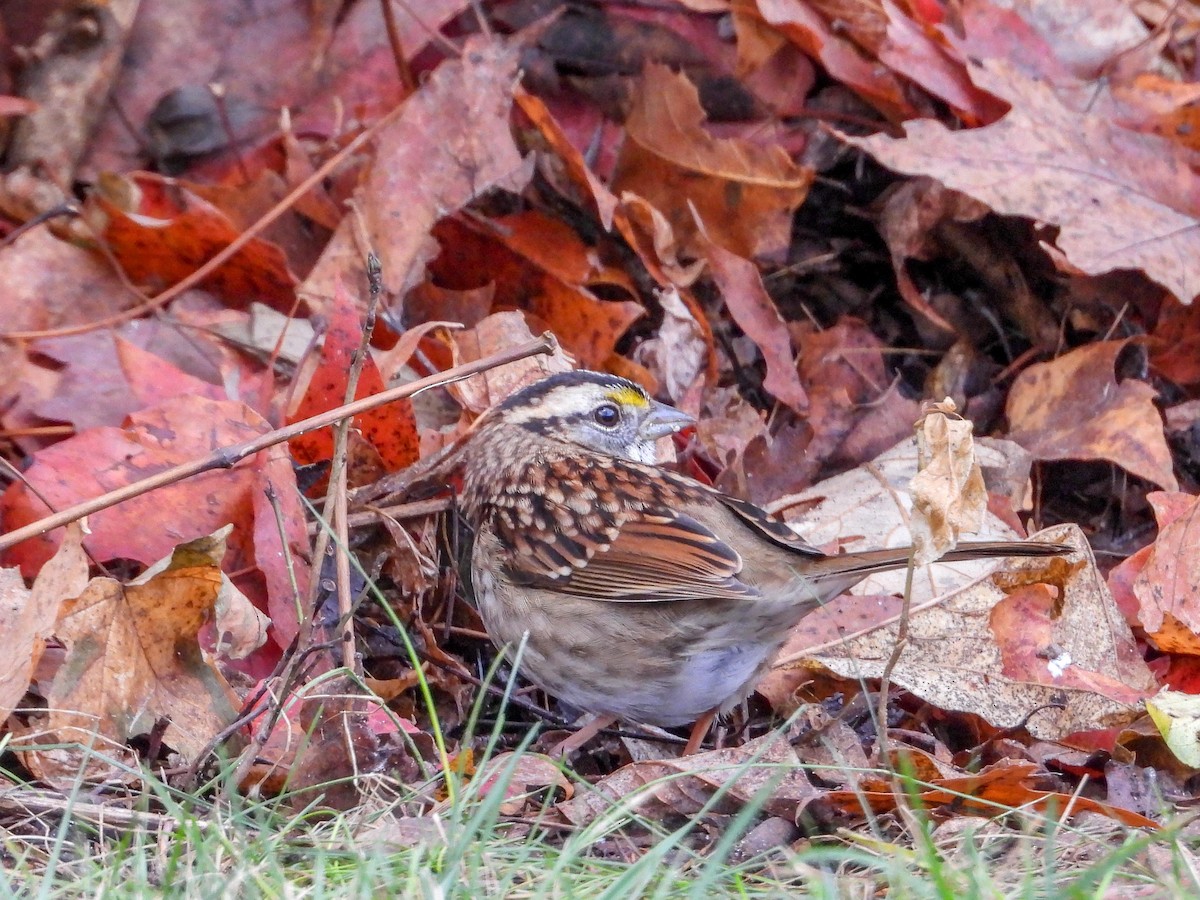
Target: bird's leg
582,736
699,732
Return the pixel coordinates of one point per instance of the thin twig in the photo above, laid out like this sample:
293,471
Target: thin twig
228,457
234,247
897,651
371,514
393,35
335,501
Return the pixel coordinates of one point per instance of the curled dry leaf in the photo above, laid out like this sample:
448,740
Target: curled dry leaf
948,494
1074,408
522,777
568,171
25,626
1038,644
241,629
1007,784
134,658
676,355
908,224
766,770
743,194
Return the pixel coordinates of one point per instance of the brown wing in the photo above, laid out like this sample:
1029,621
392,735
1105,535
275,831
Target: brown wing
652,558
773,530
629,544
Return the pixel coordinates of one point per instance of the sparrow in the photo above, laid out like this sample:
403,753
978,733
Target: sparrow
635,592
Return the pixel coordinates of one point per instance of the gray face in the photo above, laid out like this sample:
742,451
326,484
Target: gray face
602,413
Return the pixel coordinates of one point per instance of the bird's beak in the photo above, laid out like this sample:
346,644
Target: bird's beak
663,420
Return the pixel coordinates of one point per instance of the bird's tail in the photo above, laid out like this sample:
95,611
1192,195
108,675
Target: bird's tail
836,574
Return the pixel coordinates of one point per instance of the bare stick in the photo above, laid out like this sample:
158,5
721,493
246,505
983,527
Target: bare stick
335,500
228,457
235,246
393,34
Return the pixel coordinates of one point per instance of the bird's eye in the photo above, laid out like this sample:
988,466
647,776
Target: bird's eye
607,415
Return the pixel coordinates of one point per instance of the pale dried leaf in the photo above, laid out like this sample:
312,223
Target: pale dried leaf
133,657
676,354
948,493
501,331
27,617
1168,585
871,506
1122,200
1074,667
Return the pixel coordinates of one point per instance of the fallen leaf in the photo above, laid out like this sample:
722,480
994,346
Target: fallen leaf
522,777
160,232
452,142
27,617
742,195
571,176
133,657
391,430
501,331
923,55
51,283
1074,408
948,494
1178,719
869,507
844,62
676,355
103,459
1008,650
1008,784
1121,200
764,771
1168,586
541,266
755,312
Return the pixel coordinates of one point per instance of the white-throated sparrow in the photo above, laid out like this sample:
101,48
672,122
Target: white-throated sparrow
638,593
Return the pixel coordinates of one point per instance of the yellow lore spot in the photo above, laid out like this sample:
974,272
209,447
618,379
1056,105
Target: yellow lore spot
627,396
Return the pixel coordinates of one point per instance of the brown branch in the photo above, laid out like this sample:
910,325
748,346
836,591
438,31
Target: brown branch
225,255
228,457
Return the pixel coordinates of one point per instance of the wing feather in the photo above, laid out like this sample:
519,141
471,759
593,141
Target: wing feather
654,557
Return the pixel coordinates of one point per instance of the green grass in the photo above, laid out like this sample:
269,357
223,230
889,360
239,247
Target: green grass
191,845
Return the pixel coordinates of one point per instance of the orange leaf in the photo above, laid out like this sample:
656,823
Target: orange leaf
391,430
160,232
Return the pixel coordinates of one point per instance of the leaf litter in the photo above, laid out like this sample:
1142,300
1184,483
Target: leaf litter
795,223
